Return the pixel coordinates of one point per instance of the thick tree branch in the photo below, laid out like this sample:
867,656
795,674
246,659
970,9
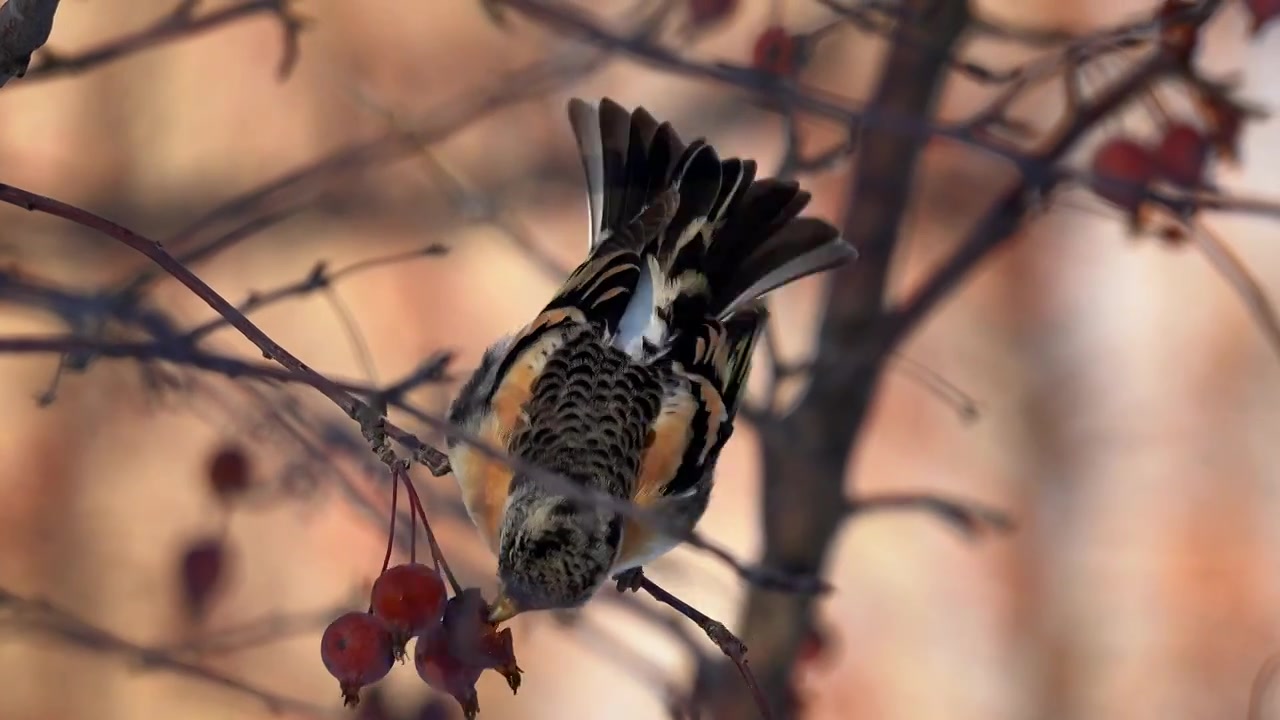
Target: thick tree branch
805,454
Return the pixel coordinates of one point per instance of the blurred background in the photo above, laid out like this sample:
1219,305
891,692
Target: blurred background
1127,400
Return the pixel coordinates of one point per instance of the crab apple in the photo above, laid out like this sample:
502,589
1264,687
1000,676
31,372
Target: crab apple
477,642
705,12
409,598
1263,12
203,568
1182,155
1122,168
442,670
356,650
776,51
229,473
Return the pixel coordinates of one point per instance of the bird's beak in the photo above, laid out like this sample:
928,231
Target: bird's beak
503,609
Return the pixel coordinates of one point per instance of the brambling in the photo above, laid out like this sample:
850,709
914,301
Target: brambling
628,382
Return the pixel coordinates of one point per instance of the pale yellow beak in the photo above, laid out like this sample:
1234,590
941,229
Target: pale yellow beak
503,609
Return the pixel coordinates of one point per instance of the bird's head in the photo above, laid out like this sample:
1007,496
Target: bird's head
553,553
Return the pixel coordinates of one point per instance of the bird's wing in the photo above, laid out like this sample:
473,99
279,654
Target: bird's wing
494,411
708,367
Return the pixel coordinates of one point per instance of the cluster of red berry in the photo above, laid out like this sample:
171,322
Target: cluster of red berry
1123,167
455,642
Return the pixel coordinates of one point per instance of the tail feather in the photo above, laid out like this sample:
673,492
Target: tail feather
708,237
720,352
628,158
801,247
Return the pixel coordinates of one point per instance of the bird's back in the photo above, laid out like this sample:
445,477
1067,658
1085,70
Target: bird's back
589,412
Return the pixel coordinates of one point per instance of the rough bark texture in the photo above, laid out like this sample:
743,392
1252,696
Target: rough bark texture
805,455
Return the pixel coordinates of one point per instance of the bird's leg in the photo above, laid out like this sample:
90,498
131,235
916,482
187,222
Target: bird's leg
630,579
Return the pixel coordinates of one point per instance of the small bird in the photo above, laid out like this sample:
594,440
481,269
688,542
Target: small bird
629,380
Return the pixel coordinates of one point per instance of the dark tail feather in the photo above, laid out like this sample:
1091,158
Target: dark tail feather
629,160
763,245
750,242
742,329
708,236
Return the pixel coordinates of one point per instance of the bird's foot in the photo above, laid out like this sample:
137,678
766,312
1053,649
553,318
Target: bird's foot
630,579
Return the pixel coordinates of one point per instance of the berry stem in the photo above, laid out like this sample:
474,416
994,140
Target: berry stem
436,554
391,531
1232,269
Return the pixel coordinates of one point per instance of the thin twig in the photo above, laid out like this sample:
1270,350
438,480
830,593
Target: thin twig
729,644
179,24
969,518
26,614
1261,685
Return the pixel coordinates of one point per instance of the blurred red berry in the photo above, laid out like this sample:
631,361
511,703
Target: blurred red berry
1178,34
776,51
356,650
1225,119
229,473
1263,12
203,567
1122,168
1182,155
409,598
705,12
441,669
813,646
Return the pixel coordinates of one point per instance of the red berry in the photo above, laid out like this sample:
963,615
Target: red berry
356,649
203,568
776,51
440,669
477,642
1122,168
229,473
704,12
1263,12
409,598
1182,155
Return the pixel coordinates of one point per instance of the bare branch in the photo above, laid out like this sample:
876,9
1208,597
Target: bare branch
179,24
29,614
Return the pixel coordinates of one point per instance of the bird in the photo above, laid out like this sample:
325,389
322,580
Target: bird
629,380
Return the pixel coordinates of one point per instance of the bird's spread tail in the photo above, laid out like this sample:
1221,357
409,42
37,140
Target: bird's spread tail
708,235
